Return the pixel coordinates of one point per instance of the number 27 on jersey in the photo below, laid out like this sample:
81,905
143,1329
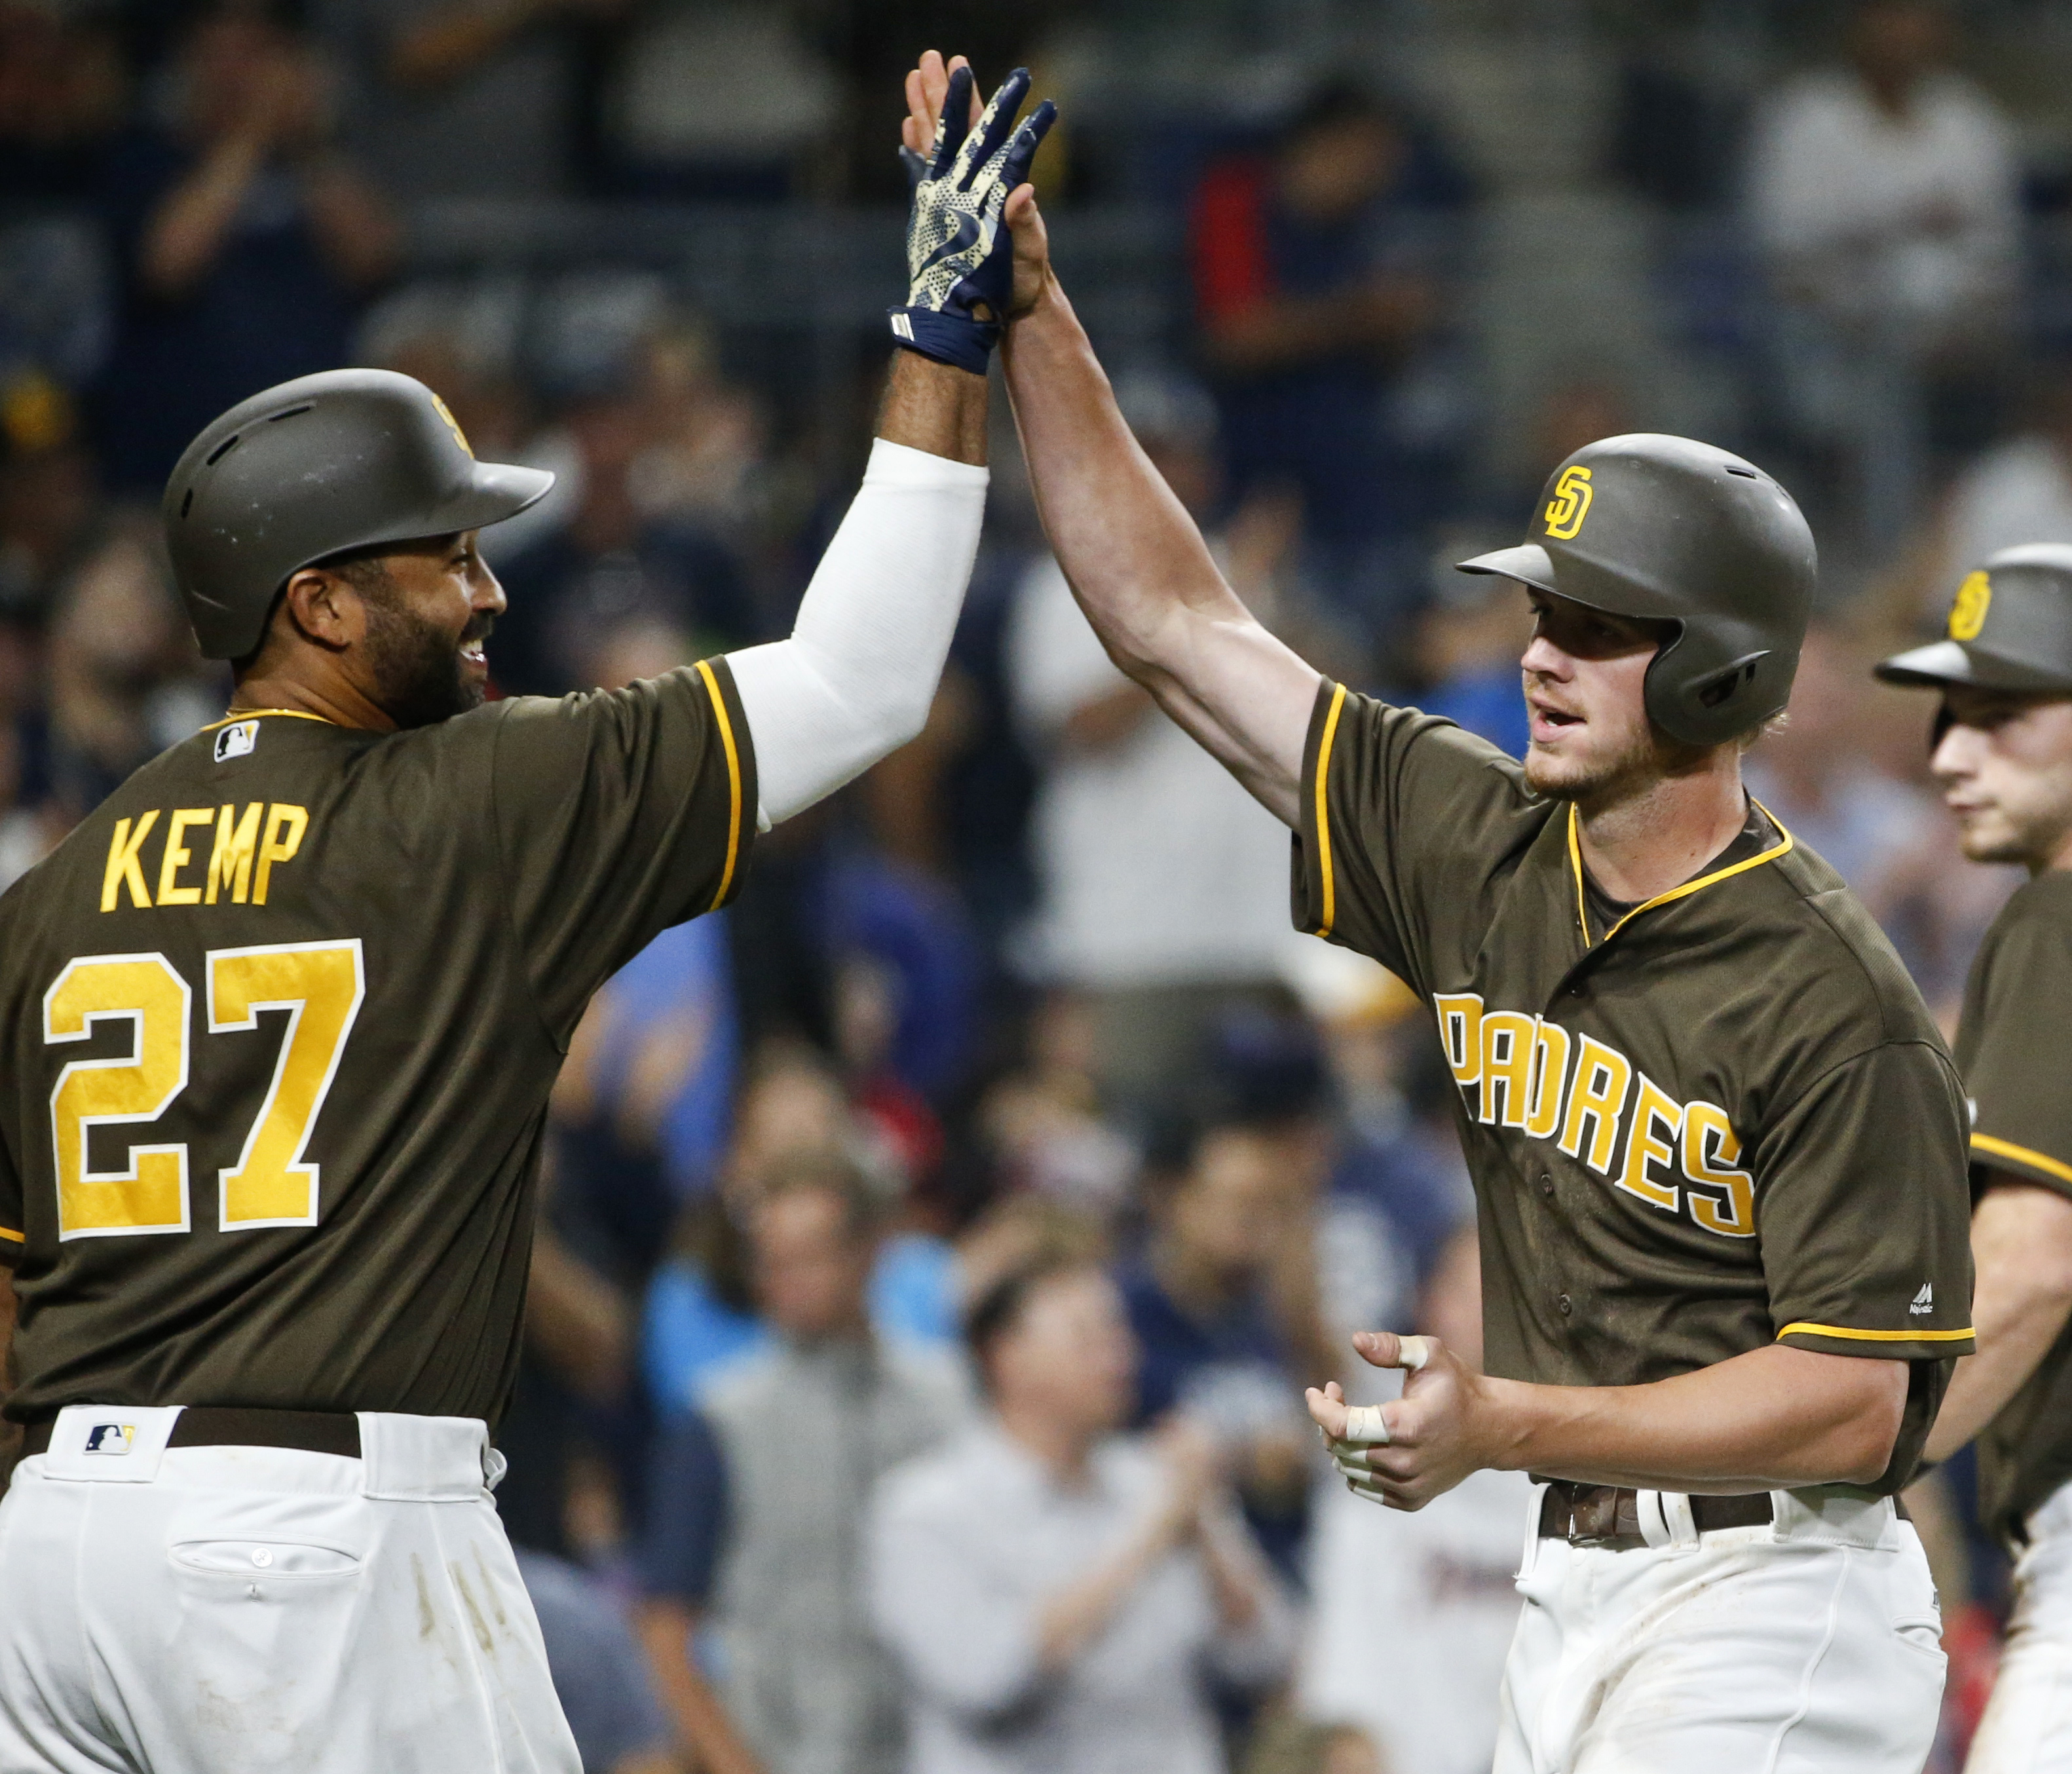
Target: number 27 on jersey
318,984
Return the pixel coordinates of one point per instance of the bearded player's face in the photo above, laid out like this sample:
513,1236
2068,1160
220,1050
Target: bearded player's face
1586,673
427,618
2004,762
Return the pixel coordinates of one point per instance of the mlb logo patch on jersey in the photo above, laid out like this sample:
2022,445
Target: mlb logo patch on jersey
110,1438
235,740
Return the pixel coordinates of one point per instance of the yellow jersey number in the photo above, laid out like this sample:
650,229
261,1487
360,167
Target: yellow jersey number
320,985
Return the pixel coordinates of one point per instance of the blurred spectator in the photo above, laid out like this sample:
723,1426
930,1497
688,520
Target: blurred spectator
2018,491
597,1671
720,101
653,1062
607,562
757,1501
700,1314
1058,1595
700,1311
1886,194
645,1097
1816,776
1163,884
48,495
1469,641
1043,1123
1314,288
1288,1744
1394,1192
574,1379
1448,1568
244,237
905,965
123,679
62,89
469,98
708,440
1226,1310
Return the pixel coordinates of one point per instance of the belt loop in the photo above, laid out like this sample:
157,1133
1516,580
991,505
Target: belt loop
1676,1517
1535,1499
1647,1506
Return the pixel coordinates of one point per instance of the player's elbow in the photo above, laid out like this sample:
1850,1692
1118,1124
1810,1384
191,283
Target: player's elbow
1861,1443
906,717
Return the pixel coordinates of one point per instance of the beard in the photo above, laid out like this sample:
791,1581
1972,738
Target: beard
1642,755
416,665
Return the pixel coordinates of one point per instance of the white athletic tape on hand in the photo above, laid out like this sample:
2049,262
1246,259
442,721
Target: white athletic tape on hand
1365,1427
1365,1424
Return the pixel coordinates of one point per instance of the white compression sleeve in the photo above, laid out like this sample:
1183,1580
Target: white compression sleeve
855,680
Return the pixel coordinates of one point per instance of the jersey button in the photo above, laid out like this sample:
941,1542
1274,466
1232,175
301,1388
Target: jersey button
1546,1183
1566,1305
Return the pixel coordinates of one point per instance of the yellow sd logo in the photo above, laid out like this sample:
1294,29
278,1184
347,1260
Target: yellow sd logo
453,425
1967,615
1570,504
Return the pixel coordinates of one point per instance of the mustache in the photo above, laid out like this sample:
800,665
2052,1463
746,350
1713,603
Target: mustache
479,627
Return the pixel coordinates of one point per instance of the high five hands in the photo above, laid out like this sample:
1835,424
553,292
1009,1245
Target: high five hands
1405,1453
969,171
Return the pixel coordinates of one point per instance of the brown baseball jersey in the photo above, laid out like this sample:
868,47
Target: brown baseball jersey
1721,1119
2011,1049
278,1025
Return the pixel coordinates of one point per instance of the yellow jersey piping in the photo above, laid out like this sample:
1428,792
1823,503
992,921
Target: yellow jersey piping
13,1236
1876,1336
1785,843
249,714
733,784
1576,863
2021,1154
1323,812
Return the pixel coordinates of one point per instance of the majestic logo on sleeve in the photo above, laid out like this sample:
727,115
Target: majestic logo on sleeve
1924,1301
1570,504
1595,1105
1967,615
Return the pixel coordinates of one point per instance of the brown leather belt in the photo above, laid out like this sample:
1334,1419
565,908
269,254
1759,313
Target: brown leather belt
1608,1516
230,1425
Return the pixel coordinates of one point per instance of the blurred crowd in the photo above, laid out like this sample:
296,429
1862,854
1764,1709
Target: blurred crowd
935,1245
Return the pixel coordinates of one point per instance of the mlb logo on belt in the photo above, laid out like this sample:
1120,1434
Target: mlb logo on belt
110,1438
235,740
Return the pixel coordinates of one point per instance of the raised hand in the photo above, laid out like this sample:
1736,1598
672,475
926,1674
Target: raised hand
959,259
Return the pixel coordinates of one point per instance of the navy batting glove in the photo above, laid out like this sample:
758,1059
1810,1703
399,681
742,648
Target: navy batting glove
960,257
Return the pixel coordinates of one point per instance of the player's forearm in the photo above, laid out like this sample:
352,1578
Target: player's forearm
1774,1418
1133,556
1140,568
855,679
2021,1253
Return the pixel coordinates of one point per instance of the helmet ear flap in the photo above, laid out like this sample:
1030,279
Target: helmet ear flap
1711,709
1717,688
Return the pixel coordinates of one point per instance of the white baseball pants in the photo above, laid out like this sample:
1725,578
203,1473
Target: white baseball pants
1808,1646
2028,1726
228,1610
